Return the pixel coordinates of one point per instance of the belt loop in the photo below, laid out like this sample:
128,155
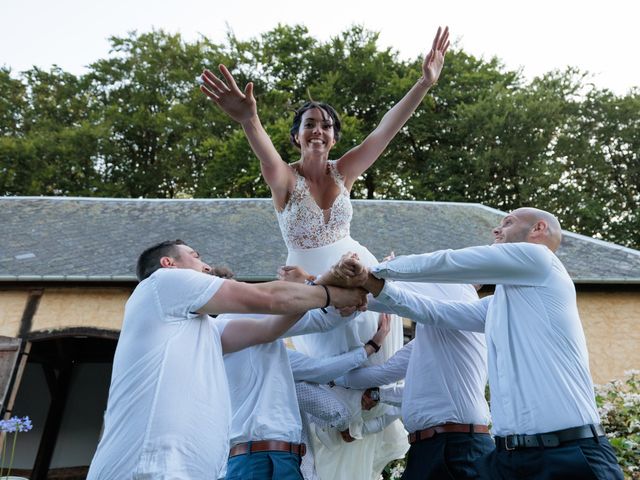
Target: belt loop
290,448
471,428
540,441
249,448
595,434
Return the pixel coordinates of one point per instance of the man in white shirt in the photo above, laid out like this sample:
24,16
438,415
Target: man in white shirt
266,427
545,420
443,405
168,409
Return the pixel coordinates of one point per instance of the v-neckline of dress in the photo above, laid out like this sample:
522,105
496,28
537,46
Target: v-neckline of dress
315,203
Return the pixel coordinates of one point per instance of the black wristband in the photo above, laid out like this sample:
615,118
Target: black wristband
326,290
375,346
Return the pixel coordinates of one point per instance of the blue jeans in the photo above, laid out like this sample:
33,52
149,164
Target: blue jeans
447,456
264,466
585,459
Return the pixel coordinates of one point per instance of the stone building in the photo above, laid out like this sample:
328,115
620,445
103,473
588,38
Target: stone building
67,269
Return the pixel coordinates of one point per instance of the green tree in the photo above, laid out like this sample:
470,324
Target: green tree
137,126
13,106
51,148
145,99
13,103
599,150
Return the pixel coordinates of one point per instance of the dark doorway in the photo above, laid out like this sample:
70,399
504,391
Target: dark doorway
64,389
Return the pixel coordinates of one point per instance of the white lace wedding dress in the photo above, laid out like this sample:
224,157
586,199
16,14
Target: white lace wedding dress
316,239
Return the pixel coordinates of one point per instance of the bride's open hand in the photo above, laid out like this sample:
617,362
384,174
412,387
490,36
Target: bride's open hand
434,61
238,105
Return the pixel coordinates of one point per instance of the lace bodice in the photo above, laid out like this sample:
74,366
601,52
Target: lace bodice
305,225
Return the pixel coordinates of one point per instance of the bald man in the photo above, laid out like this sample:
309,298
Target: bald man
545,420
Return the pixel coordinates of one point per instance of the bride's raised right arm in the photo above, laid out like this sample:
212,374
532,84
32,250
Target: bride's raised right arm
242,108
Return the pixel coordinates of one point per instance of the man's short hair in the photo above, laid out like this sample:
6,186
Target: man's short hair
149,260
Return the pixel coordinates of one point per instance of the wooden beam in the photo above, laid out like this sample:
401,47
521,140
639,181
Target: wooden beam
53,422
29,312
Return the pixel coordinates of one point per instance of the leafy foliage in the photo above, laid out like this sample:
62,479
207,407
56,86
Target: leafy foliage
136,125
619,408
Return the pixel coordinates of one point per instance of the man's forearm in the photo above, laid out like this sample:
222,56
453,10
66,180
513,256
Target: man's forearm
290,297
244,332
280,324
287,297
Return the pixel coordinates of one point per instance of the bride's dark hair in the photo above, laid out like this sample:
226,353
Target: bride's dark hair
324,107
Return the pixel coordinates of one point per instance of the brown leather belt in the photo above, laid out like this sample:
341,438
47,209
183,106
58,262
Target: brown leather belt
447,428
268,446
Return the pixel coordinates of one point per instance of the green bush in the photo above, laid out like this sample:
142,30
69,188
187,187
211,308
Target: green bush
393,470
619,407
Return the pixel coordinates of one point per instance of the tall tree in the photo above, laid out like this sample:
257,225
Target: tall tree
52,149
137,126
145,98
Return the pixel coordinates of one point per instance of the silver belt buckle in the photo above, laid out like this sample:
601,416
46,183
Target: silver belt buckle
506,443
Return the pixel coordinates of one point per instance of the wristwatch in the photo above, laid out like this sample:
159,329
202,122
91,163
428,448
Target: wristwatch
374,345
374,394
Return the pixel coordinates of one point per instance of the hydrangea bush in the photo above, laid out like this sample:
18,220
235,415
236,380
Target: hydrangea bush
619,407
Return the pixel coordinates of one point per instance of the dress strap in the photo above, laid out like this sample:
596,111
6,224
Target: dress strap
335,174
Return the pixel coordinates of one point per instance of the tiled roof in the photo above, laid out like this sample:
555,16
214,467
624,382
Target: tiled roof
57,238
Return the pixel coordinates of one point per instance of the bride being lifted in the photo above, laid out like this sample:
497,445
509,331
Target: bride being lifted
311,198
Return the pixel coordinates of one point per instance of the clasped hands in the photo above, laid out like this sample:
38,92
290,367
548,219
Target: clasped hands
348,272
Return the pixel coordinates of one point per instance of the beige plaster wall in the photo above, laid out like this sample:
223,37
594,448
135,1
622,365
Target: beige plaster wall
81,307
611,322
12,304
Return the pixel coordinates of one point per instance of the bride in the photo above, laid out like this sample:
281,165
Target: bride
311,199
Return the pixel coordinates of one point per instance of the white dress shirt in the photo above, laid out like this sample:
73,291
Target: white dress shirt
391,371
324,370
446,370
261,383
384,377
538,362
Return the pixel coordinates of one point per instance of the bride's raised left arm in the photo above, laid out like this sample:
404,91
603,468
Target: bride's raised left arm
357,160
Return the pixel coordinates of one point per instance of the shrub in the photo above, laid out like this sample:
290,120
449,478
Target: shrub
619,407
